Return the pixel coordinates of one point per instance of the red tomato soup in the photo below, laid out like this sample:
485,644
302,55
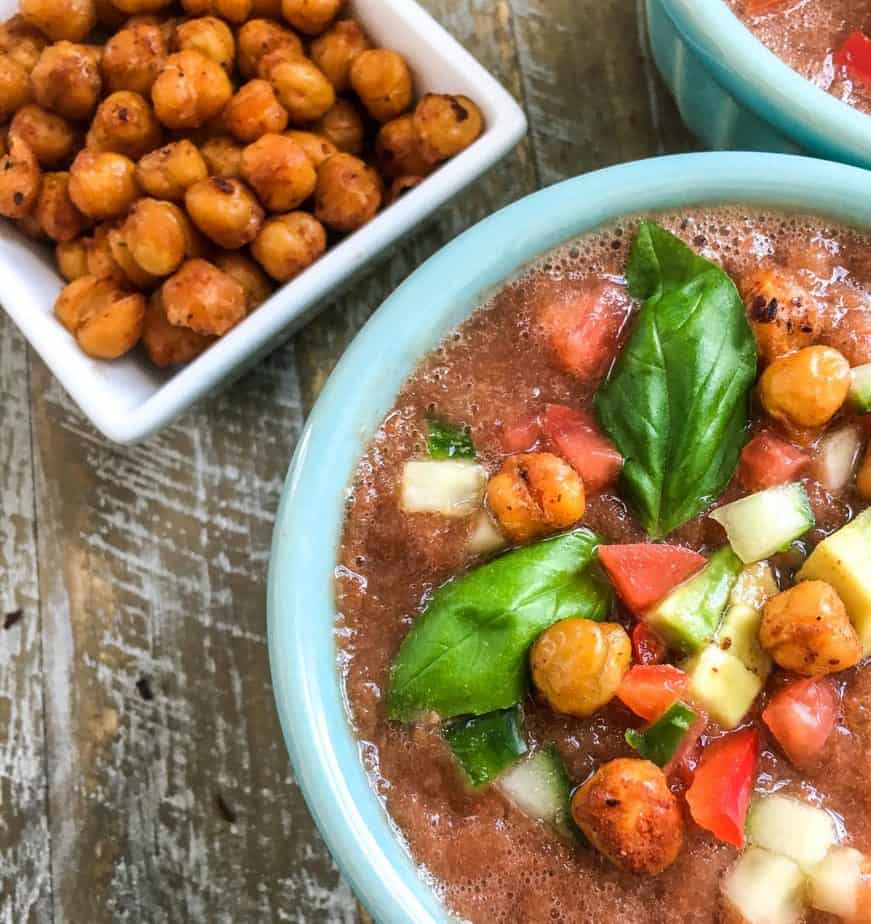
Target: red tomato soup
604,587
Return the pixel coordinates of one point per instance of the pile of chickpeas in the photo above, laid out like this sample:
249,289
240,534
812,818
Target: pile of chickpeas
185,159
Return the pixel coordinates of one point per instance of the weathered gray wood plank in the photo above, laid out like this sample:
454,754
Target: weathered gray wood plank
25,885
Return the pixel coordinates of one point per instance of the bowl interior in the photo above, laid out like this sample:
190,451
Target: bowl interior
363,387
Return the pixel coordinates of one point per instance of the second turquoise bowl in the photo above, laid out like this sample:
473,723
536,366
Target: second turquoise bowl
733,93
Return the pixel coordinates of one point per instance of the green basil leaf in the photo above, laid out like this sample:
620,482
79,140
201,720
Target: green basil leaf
660,742
486,745
448,441
466,654
677,402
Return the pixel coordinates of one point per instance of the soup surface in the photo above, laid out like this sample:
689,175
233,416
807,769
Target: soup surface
500,375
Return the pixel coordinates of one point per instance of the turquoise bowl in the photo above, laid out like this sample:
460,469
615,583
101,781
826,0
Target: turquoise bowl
438,296
733,93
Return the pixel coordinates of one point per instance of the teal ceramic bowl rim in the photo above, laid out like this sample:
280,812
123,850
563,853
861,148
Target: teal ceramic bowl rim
443,291
743,65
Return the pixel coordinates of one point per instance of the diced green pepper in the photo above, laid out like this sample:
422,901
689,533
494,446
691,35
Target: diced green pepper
661,740
486,745
448,441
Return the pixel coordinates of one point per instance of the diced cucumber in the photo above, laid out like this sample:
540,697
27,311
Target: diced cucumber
838,458
688,617
834,883
764,523
739,636
540,787
485,745
485,537
844,561
765,888
754,586
723,686
860,390
451,487
448,441
802,832
661,741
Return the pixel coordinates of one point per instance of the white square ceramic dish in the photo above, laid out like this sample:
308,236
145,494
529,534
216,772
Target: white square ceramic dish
128,400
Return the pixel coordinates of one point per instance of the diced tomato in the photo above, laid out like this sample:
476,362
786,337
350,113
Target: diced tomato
643,574
650,689
522,435
723,783
801,717
683,765
768,461
855,56
583,325
647,646
576,437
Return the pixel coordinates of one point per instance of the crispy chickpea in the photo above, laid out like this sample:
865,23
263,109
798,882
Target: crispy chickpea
20,179
336,50
343,124
22,42
166,344
103,183
806,389
15,90
126,268
190,90
254,111
60,20
203,298
806,629
382,80
225,210
400,186
156,236
248,274
211,36
398,150
446,125
141,7
289,244
348,193
72,259
101,255
316,147
310,16
167,172
57,215
133,57
51,137
30,227
67,80
223,157
535,494
105,319
260,37
578,664
277,169
630,816
301,88
126,124
863,478
234,11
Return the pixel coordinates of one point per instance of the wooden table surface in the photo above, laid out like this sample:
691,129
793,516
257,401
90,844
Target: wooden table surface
143,777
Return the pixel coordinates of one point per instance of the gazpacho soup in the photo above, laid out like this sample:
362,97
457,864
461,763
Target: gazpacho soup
604,587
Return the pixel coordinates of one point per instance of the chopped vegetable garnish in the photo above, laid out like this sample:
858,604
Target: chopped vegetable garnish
578,439
647,646
855,56
768,461
801,717
540,787
486,745
661,740
448,441
650,689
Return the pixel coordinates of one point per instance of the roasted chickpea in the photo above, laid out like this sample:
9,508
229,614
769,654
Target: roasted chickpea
630,816
806,629
316,147
400,186
105,319
51,138
167,172
190,90
577,665
254,111
446,125
248,274
260,37
382,80
535,494
211,36
223,157
103,183
234,11
126,268
310,16
343,124
166,344
141,7
277,169
225,210
15,90
57,215
203,298
289,244
398,151
30,227
20,179
806,389
156,236
336,50
72,259
67,80
863,478
301,88
133,57
101,255
22,42
348,192
126,124
60,20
